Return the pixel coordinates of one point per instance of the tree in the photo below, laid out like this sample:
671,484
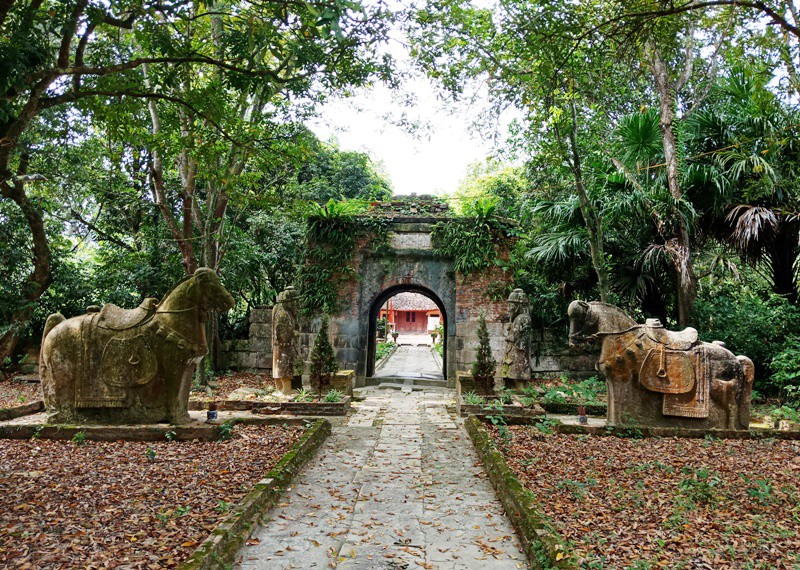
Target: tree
494,180
323,360
333,174
484,366
118,54
525,52
746,172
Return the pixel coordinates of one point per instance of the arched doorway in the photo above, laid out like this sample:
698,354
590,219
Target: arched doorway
375,309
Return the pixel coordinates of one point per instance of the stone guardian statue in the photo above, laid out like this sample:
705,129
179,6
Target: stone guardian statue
516,364
285,339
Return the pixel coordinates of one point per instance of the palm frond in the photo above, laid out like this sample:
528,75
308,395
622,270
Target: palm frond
753,227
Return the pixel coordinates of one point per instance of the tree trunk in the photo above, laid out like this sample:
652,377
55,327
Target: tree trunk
590,218
39,279
680,246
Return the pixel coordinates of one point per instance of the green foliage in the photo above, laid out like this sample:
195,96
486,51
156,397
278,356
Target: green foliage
786,413
171,436
471,240
700,486
382,327
484,366
751,322
332,174
490,182
333,230
473,399
785,366
79,438
303,395
333,396
497,418
323,359
546,426
382,349
589,391
225,430
150,454
762,491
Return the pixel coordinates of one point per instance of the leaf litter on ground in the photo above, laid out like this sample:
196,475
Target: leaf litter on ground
665,502
106,505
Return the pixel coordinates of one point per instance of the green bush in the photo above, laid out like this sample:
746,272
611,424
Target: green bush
754,323
785,366
382,350
333,396
323,359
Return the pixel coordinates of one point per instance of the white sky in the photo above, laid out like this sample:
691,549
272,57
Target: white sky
429,159
430,153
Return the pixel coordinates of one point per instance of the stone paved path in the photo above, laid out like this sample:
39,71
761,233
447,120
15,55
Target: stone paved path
411,362
398,487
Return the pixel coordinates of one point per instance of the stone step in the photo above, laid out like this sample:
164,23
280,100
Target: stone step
426,382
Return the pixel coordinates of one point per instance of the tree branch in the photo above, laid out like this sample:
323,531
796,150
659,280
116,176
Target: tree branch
103,235
78,95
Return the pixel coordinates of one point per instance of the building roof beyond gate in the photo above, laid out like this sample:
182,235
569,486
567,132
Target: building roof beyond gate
412,302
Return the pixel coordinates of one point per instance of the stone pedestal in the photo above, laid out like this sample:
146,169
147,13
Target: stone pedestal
283,385
343,381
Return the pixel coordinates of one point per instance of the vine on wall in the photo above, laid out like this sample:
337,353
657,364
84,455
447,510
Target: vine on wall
471,241
332,234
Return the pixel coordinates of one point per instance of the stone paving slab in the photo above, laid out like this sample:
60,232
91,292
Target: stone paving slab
402,490
411,362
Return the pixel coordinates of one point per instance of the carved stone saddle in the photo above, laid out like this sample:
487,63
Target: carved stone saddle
117,355
675,367
118,319
672,340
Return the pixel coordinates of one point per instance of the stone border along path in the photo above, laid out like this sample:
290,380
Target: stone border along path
398,487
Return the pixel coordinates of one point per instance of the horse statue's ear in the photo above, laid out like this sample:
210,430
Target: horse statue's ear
577,307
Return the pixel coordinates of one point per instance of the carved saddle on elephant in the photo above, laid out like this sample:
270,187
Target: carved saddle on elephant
676,365
117,354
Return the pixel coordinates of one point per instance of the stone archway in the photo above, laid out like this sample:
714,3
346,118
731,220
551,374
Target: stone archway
373,318
409,261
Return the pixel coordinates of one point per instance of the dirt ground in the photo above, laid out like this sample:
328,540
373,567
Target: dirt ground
13,394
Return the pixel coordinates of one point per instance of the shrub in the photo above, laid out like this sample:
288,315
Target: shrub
382,349
472,399
303,395
484,366
323,359
333,396
785,367
750,322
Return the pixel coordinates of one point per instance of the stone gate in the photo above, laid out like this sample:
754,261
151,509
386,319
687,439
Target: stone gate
411,263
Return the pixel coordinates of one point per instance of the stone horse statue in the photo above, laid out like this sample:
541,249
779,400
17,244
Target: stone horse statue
114,365
662,378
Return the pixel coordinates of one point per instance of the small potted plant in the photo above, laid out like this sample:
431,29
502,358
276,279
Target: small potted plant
395,334
211,414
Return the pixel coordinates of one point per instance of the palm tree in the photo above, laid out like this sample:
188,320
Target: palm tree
746,174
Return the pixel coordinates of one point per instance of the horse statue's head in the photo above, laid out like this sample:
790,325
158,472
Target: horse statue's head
208,292
589,322
582,323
